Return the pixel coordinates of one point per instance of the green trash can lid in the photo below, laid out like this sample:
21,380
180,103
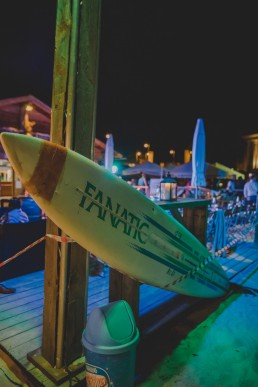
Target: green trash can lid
111,329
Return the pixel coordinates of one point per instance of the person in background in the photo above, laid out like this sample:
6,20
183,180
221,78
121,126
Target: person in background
5,290
30,207
15,213
188,193
143,183
231,186
251,190
133,182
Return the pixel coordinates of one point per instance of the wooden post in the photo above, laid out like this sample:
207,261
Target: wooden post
52,258
74,84
195,219
122,287
83,99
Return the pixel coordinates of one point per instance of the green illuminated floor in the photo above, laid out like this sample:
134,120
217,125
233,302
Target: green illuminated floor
221,349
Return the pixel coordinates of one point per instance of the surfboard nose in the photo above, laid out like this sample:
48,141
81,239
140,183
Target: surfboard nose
37,162
22,153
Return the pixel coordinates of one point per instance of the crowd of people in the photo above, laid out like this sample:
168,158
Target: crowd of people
245,189
19,211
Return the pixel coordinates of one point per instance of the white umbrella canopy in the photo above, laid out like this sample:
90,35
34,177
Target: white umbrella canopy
151,169
185,171
198,155
109,153
170,166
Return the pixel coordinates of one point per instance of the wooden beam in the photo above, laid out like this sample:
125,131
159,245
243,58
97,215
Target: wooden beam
51,284
195,219
52,263
87,78
75,85
122,287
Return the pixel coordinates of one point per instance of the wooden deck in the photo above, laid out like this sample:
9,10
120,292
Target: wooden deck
21,312
21,315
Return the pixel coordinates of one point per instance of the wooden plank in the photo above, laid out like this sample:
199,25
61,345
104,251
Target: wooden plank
21,318
125,288
27,281
21,309
102,288
195,219
16,329
22,338
239,261
102,295
151,297
56,375
39,377
75,319
176,214
22,301
98,287
51,281
98,295
21,351
19,295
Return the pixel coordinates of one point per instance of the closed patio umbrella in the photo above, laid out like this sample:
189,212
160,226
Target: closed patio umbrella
109,153
198,156
220,234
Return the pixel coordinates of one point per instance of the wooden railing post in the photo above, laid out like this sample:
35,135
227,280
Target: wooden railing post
196,221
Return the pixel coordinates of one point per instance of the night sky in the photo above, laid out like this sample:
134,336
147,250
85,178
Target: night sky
163,65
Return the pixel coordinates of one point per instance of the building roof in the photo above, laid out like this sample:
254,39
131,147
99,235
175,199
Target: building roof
15,118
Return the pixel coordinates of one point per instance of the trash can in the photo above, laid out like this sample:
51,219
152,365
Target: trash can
109,342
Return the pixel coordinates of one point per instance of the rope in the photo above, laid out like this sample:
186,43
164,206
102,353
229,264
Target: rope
234,241
62,239
212,257
65,239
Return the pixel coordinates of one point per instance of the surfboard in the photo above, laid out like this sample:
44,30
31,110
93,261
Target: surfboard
112,220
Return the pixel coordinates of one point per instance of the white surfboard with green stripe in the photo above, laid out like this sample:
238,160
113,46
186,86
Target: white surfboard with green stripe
111,219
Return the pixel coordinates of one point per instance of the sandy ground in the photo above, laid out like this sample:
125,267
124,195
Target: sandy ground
220,351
